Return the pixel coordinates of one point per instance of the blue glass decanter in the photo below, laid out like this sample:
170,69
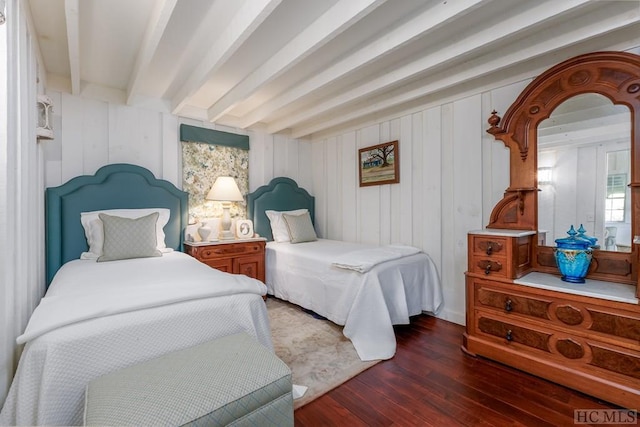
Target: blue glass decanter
573,256
594,240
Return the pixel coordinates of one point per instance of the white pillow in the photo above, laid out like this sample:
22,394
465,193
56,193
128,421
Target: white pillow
278,226
94,231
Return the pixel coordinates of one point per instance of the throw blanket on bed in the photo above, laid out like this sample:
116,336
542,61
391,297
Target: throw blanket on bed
365,259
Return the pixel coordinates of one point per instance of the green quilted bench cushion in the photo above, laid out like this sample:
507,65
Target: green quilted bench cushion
228,381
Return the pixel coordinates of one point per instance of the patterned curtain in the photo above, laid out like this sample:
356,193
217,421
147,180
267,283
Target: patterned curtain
202,163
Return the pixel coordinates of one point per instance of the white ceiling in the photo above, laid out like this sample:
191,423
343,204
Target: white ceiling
312,66
585,120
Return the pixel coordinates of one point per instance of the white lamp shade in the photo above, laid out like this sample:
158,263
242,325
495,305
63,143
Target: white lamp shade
225,189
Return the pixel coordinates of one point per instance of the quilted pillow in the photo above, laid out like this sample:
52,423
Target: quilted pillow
126,238
300,228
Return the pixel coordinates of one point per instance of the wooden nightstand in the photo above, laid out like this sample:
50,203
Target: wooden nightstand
233,256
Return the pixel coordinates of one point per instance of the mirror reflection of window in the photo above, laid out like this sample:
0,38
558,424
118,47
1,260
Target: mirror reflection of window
586,145
617,202
616,197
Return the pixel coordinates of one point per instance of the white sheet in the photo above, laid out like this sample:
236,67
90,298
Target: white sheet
57,364
368,305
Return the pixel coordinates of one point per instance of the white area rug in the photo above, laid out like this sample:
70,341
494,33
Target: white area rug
319,356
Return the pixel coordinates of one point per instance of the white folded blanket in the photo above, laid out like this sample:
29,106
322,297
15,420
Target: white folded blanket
364,260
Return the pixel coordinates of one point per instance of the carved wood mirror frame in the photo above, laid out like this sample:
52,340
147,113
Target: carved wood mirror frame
616,75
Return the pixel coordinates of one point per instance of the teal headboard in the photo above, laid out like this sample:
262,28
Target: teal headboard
117,186
281,194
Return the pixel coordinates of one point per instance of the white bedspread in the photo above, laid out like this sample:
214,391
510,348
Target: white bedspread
99,317
369,304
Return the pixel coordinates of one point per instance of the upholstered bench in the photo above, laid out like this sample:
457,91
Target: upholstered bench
228,381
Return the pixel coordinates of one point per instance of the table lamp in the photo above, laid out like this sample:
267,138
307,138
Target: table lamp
225,190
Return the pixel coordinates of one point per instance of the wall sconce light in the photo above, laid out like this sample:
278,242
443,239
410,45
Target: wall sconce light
225,190
45,108
545,175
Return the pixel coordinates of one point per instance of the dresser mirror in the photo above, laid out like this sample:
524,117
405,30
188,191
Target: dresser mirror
607,86
584,167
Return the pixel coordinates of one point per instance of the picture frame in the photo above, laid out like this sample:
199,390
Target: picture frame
244,229
379,164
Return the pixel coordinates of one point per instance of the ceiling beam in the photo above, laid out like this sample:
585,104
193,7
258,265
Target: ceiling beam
517,53
419,26
72,17
155,29
333,22
248,18
480,39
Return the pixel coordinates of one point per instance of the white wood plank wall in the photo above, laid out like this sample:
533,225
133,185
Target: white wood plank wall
90,134
451,175
21,187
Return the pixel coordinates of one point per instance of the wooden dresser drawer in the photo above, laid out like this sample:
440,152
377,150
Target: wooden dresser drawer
514,333
574,315
616,323
554,345
230,249
512,302
489,246
612,359
498,256
495,267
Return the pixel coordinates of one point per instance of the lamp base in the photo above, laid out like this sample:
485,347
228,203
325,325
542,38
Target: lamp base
226,235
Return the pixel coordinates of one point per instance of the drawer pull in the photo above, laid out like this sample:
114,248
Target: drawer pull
489,266
490,247
507,305
509,336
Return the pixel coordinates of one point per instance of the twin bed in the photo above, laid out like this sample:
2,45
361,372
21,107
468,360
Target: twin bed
98,317
363,288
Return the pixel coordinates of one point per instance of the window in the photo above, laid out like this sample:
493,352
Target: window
616,197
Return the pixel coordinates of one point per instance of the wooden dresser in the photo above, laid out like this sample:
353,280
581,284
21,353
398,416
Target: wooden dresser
232,256
519,312
586,337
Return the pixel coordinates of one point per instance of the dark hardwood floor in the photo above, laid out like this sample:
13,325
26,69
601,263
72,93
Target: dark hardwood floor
431,382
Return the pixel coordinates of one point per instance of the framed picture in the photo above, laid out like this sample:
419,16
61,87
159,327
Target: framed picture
379,164
244,229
